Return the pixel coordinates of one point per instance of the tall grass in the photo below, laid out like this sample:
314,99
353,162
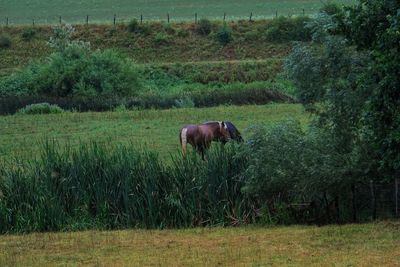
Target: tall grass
95,186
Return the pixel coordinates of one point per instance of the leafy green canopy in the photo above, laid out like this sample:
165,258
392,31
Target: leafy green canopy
349,77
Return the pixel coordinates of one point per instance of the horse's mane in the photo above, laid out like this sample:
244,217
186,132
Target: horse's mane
211,122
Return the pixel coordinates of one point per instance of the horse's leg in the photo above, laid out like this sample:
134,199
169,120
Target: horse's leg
205,146
183,139
202,154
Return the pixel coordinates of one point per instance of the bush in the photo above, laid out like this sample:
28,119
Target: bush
204,27
5,41
237,94
161,39
224,35
120,108
183,33
133,25
185,102
290,165
169,29
40,108
74,70
28,34
285,29
331,9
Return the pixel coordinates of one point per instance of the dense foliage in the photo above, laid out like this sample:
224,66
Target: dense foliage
349,76
233,94
74,70
99,186
5,41
224,35
285,29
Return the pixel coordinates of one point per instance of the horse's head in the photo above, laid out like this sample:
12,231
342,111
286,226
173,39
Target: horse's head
234,132
224,131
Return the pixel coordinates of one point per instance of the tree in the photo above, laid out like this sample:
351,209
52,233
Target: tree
374,25
349,76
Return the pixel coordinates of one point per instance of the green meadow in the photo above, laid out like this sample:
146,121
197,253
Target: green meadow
102,11
22,135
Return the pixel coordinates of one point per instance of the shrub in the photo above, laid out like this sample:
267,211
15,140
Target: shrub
289,165
74,70
5,41
224,35
40,108
185,102
183,33
252,35
331,8
133,25
237,94
169,29
204,27
161,39
120,108
28,34
285,29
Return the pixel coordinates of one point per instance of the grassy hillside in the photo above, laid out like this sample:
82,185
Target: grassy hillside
160,43
156,129
350,245
46,11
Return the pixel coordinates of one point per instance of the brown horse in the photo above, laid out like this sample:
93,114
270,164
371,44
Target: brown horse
201,136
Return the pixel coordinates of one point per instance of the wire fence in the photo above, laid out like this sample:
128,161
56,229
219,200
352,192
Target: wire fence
168,18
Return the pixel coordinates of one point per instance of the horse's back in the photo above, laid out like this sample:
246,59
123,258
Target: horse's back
196,134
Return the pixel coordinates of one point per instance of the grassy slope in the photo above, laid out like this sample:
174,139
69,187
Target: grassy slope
349,245
48,11
157,129
190,47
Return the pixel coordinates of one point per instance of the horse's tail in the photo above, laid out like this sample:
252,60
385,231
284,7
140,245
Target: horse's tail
183,140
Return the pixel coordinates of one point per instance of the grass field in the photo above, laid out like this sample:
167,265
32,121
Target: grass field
48,12
350,245
156,129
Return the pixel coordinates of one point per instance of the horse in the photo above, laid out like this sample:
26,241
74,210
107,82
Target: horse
201,136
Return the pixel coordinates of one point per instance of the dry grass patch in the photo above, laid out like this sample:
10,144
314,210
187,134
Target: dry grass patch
350,245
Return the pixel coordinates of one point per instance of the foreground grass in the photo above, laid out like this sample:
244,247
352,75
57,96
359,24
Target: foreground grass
349,245
21,135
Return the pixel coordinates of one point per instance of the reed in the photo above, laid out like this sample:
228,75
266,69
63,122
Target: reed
119,186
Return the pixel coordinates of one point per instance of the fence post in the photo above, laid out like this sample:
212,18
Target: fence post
115,18
373,202
87,19
168,17
251,15
303,12
33,22
276,14
141,18
6,21
224,16
195,18
396,194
